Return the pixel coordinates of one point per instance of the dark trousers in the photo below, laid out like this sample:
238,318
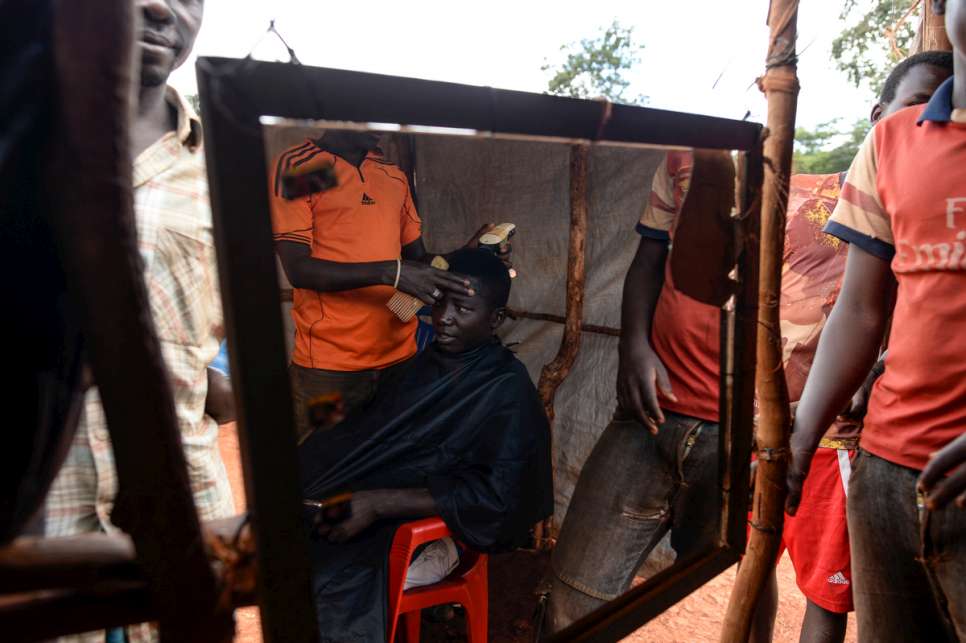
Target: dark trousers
356,387
908,564
633,488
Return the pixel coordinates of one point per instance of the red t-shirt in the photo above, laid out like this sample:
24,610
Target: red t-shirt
685,333
905,201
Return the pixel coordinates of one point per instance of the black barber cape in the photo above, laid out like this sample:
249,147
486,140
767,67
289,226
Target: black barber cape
471,429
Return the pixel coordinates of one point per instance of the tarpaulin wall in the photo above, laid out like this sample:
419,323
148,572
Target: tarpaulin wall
464,182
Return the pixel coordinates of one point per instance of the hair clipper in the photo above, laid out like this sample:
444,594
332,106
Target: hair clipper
497,240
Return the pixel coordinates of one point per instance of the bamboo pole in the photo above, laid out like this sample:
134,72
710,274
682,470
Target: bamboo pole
555,372
931,35
780,84
596,329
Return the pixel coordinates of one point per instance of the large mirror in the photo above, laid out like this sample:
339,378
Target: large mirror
504,339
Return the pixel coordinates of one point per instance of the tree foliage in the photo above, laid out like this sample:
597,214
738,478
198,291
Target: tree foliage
595,67
817,153
869,49
194,101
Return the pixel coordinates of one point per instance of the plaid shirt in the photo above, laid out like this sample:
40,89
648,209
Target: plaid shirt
176,244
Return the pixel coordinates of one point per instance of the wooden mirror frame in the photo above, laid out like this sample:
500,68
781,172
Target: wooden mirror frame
236,93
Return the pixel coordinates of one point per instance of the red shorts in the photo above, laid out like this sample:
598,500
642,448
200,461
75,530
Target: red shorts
817,537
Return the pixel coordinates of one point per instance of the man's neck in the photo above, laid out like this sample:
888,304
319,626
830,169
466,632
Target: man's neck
354,155
959,80
153,119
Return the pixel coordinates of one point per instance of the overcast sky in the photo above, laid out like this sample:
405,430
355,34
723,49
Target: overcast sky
689,45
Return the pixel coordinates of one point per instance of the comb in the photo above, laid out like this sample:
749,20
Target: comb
406,306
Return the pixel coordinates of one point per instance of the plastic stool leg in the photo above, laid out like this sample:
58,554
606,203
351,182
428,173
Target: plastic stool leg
476,625
412,622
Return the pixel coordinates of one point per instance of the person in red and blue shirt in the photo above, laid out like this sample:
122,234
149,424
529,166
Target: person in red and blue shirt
654,468
903,213
816,537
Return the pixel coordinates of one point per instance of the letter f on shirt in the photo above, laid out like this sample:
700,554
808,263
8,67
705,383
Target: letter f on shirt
954,205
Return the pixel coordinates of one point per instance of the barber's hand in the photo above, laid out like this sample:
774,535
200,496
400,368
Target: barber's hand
364,511
944,478
504,251
639,376
799,464
429,284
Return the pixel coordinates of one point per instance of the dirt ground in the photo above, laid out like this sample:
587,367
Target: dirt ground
696,619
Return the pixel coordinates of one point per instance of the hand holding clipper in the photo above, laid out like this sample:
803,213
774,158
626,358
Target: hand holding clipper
497,240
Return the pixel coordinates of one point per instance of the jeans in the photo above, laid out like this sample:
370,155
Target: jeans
633,488
357,389
908,564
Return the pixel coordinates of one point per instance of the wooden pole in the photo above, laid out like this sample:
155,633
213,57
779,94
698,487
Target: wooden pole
931,35
555,372
780,84
55,586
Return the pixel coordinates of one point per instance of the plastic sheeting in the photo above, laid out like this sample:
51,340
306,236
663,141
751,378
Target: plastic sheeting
462,183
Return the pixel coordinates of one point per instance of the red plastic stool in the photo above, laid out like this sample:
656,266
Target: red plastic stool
466,585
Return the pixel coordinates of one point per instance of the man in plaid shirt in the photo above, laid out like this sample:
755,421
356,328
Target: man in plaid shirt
176,245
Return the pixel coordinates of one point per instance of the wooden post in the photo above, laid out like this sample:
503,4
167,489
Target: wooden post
555,372
780,84
931,35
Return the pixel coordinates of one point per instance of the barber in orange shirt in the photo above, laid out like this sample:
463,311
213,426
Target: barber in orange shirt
344,250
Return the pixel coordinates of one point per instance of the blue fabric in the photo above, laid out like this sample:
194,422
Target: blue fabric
939,109
425,333
220,363
874,247
115,636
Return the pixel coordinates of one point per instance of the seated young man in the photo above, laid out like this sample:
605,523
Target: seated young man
460,432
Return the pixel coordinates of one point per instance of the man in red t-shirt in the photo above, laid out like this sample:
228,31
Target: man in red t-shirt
654,468
903,213
816,537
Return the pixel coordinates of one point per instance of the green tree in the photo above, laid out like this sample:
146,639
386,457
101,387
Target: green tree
817,153
595,67
869,49
194,101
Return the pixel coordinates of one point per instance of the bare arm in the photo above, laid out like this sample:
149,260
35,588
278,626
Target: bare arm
846,351
640,372
415,278
369,506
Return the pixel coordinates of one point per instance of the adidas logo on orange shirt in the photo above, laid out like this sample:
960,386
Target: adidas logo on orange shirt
838,578
367,200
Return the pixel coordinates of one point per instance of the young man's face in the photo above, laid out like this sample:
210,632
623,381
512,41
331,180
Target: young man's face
167,33
915,88
462,323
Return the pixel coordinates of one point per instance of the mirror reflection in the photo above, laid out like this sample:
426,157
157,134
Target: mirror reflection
427,279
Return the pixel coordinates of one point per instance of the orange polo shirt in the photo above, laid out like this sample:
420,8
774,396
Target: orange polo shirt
368,216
